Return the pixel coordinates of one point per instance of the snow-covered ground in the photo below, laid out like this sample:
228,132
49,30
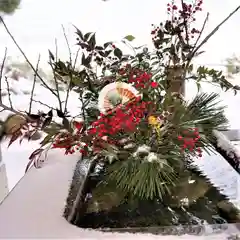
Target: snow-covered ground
15,157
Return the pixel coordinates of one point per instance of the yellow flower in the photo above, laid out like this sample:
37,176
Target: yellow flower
153,120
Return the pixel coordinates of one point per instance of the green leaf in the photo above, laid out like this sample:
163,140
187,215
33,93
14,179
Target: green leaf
51,56
86,60
79,33
92,42
130,38
105,45
86,36
118,53
46,140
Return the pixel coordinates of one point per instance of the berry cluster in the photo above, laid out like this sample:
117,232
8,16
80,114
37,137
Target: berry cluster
70,143
186,11
140,79
190,141
181,16
123,119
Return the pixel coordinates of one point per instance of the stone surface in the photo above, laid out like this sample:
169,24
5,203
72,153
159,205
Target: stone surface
3,182
232,134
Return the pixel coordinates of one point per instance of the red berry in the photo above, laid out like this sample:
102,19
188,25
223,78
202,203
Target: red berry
174,7
180,138
154,84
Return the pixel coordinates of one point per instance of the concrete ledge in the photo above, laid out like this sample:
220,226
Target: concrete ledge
34,208
232,134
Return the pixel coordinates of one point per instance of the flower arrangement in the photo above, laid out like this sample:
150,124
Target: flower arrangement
134,119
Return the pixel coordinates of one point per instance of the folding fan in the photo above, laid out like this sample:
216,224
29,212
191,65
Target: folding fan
115,94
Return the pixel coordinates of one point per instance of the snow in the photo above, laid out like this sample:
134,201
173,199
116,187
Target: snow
16,157
35,181
34,209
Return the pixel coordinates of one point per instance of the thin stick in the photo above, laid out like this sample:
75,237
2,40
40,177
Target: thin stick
9,94
71,77
1,73
44,104
24,55
55,77
68,46
201,32
33,86
213,32
76,58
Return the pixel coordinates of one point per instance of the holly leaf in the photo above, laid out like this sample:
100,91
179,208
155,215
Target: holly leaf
92,42
118,53
83,45
86,60
86,36
79,33
51,56
105,45
129,38
99,48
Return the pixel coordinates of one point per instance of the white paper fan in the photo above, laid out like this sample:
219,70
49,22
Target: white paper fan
114,94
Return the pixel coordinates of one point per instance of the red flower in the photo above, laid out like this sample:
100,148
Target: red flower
154,84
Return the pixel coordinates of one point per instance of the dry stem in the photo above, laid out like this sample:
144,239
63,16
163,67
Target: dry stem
71,65
24,55
33,87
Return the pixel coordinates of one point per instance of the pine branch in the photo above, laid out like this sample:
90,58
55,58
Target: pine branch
142,179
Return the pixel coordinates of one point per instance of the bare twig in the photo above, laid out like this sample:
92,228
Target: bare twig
83,107
55,77
24,55
1,73
33,86
8,91
44,104
76,58
68,46
70,72
3,106
213,32
201,32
